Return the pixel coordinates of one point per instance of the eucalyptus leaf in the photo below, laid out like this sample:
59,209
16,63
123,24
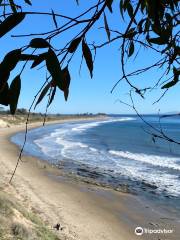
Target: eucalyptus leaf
39,43
66,94
130,11
88,57
66,78
11,59
42,94
40,58
74,44
65,82
158,40
4,75
121,6
28,2
174,81
14,92
7,65
109,5
169,84
54,67
4,99
107,28
131,49
11,22
52,96
28,57
13,6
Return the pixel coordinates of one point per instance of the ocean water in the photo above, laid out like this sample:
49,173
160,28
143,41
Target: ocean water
117,151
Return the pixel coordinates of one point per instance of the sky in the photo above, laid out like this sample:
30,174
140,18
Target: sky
86,94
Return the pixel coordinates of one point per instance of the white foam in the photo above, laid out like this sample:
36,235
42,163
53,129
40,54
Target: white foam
49,143
59,137
93,149
84,126
164,181
47,147
161,161
70,144
133,165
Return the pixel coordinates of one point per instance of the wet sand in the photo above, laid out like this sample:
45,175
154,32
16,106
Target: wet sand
85,211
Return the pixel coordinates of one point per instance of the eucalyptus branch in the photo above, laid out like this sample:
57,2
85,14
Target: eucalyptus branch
158,133
161,97
123,51
137,72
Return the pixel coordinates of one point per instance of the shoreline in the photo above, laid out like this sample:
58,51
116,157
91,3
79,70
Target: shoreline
85,211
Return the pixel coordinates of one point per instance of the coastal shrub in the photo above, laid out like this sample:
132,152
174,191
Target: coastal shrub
5,207
19,231
45,234
10,229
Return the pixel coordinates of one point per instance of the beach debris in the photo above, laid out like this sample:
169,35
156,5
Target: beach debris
58,227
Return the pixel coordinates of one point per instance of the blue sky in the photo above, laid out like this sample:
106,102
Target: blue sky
86,94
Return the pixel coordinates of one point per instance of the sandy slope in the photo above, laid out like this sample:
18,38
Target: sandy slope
3,123
85,212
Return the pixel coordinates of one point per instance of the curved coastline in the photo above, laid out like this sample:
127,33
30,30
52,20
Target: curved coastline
80,207
73,148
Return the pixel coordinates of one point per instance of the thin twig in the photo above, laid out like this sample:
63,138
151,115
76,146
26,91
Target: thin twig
26,131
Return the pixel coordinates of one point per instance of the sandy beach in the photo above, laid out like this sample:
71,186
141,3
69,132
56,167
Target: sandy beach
84,211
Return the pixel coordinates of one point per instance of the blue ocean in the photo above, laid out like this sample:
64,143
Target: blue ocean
116,151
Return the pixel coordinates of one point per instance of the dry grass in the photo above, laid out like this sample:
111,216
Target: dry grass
16,223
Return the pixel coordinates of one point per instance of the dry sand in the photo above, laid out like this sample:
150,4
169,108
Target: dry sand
85,212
